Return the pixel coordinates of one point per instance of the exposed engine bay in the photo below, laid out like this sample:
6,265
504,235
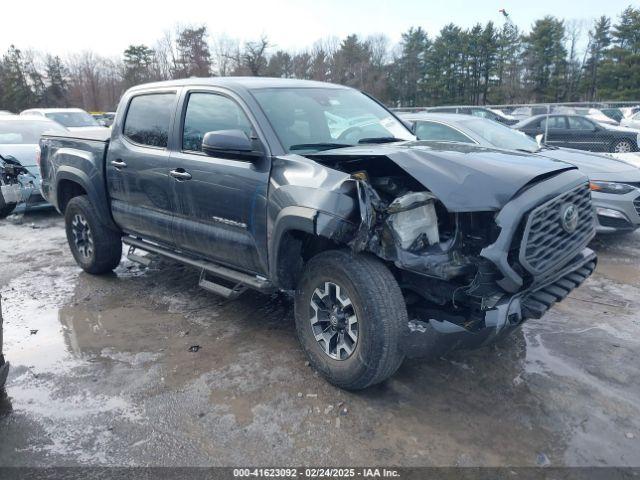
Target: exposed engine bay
408,225
437,252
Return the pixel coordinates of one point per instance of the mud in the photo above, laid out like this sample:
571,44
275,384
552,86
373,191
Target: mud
108,377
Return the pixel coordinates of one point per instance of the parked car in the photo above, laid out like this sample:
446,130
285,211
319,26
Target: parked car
104,119
576,131
615,185
74,119
5,112
521,113
631,122
481,112
592,113
630,111
613,113
19,138
390,248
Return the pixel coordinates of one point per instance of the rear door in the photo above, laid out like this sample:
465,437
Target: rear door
222,200
138,166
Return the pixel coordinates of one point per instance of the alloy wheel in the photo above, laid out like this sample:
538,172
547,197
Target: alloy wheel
333,321
82,236
622,147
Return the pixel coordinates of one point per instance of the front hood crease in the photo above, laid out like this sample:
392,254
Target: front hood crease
464,178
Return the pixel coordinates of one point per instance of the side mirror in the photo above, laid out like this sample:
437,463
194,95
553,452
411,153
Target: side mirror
234,142
539,139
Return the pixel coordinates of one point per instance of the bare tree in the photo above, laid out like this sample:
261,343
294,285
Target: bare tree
226,54
254,56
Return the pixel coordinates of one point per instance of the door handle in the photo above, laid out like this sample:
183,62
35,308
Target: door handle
180,174
118,163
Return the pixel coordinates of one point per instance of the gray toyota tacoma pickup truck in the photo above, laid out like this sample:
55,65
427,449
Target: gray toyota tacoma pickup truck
391,248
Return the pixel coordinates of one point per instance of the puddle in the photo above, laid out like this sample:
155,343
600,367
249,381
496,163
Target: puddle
108,377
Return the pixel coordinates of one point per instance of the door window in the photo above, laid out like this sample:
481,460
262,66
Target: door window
555,123
148,119
438,132
208,112
579,123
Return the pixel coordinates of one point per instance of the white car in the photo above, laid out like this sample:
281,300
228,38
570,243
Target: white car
629,112
74,119
631,122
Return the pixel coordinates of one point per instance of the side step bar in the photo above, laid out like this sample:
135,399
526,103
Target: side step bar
239,279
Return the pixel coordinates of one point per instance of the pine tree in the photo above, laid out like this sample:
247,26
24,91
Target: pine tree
17,94
55,94
137,64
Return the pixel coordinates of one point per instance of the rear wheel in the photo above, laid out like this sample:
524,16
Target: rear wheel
96,248
622,146
350,314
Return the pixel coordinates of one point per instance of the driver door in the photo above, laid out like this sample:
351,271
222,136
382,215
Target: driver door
221,201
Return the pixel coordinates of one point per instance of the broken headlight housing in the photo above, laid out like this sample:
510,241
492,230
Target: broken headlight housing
414,221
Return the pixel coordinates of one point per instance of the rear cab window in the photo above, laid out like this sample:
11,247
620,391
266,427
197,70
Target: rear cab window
148,119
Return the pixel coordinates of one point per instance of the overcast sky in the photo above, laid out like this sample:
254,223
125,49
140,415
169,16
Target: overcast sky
109,26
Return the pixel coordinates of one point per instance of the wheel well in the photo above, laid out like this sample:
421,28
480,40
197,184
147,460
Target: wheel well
67,189
295,249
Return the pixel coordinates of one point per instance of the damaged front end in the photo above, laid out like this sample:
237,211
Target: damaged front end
16,183
470,277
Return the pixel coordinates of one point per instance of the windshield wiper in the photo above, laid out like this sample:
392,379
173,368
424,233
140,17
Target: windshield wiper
318,146
381,140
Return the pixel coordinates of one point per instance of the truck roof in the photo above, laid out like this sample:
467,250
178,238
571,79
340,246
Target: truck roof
248,83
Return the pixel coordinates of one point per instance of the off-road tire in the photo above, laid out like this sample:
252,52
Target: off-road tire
381,313
107,244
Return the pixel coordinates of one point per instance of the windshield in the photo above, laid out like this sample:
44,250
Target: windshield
16,132
500,136
313,119
73,119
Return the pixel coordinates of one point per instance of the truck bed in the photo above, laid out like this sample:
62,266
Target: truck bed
76,157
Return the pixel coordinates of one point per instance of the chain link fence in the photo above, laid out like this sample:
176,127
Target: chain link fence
605,127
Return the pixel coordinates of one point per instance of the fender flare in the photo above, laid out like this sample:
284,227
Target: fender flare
97,195
306,220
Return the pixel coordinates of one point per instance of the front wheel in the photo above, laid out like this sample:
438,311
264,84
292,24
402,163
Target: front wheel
350,315
96,248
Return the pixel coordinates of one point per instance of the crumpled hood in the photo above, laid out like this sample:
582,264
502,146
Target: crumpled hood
465,178
595,166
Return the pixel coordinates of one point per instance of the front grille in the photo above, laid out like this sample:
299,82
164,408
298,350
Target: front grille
636,203
545,242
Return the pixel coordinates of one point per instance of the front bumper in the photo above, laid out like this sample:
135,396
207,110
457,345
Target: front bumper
433,337
624,215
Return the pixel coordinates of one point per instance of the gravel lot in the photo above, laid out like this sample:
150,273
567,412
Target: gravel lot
102,374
